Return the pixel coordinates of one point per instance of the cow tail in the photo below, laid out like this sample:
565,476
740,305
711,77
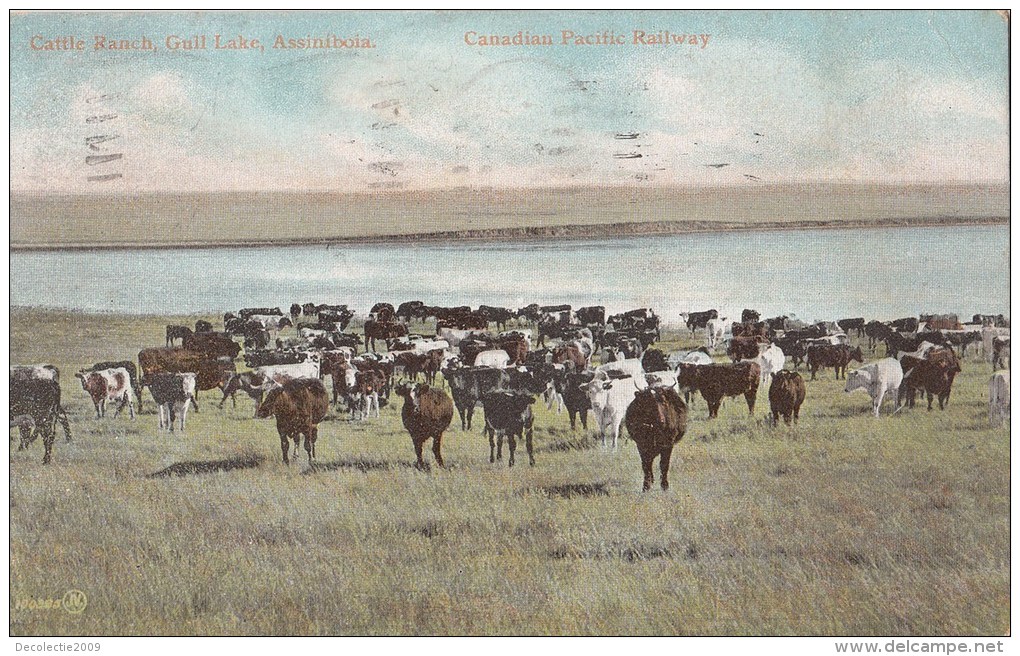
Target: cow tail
62,416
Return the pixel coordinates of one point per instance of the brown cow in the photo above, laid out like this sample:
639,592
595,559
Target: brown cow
299,405
744,348
367,386
838,356
180,361
383,330
426,414
933,375
516,346
108,385
215,345
656,420
569,354
412,363
433,361
786,395
715,381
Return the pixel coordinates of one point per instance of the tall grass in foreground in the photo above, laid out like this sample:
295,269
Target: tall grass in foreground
843,524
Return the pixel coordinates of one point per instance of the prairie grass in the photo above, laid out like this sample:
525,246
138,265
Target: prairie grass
842,524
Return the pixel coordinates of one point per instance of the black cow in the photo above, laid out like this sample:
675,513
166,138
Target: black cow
876,332
174,333
410,310
576,400
905,325
697,320
35,408
654,360
202,326
594,315
856,324
497,315
750,316
508,414
246,313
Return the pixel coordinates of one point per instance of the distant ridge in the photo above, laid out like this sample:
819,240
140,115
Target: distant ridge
292,218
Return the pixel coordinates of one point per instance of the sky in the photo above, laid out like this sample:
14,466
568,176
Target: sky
758,98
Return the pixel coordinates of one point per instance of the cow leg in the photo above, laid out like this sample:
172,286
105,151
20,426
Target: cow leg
417,452
492,445
285,447
499,446
62,416
647,456
511,439
713,408
878,401
463,418
529,443
437,443
310,435
750,395
665,455
297,444
931,397
48,445
194,401
573,418
584,419
470,414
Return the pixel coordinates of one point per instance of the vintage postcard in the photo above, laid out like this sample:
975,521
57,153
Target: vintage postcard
517,323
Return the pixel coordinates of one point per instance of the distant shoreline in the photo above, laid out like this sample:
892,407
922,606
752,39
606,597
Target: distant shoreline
531,233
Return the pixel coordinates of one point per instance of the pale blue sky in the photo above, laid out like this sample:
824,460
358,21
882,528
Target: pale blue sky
775,96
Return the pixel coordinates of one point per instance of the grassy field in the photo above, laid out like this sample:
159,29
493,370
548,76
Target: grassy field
247,218
844,524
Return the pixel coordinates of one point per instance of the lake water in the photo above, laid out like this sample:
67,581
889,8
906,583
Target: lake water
814,274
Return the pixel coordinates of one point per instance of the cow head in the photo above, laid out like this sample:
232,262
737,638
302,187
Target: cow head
857,379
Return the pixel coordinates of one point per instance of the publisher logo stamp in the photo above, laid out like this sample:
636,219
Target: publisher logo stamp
74,602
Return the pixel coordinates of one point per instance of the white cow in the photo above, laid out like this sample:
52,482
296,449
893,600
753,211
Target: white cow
426,345
610,398
278,374
715,332
35,372
998,398
661,379
770,360
271,322
629,366
878,378
496,358
987,335
921,353
108,385
173,394
454,336
694,357
835,340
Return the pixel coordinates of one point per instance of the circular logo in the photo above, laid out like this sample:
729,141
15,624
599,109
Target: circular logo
74,601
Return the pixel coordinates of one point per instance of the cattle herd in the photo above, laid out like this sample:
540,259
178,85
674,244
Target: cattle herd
504,361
